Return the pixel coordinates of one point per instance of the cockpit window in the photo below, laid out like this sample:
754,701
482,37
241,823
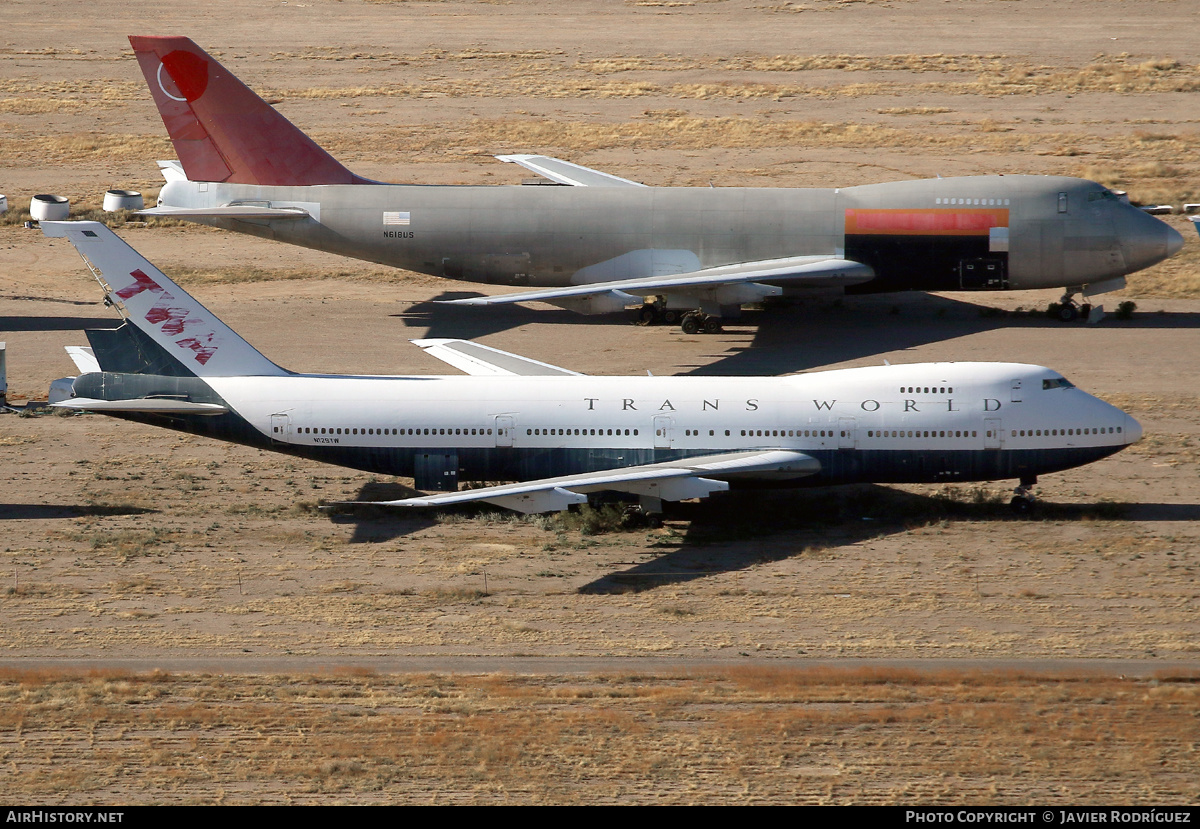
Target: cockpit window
1057,383
1106,194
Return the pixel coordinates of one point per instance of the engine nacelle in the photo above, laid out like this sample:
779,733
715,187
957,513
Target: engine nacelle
608,302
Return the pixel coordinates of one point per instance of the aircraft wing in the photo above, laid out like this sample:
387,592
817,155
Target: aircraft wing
808,271
564,172
238,211
671,481
477,359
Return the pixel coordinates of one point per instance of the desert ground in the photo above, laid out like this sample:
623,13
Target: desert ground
870,644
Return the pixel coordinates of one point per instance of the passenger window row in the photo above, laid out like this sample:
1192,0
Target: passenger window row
979,202
1050,432
822,433
323,430
580,432
917,433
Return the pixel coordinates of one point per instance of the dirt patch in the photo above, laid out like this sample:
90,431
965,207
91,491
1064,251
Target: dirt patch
124,542
742,736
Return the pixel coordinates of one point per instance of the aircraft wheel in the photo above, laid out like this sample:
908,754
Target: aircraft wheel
712,325
1021,505
691,324
1085,311
647,315
1068,312
670,316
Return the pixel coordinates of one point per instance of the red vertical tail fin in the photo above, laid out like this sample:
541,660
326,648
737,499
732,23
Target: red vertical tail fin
222,131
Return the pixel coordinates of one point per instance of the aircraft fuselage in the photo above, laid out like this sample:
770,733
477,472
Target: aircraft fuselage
935,422
967,233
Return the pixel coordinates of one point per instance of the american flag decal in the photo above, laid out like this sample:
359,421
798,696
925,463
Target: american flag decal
395,219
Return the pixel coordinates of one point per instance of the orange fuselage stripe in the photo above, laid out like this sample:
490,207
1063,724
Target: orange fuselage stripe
925,222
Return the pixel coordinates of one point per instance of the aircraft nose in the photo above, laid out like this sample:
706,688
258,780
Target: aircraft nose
1174,241
1145,240
1133,430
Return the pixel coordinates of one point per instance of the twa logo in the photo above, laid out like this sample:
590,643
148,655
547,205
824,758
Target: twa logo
170,319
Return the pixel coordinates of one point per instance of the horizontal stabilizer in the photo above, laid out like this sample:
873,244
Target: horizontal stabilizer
564,172
482,360
802,271
84,358
172,170
671,481
142,405
231,212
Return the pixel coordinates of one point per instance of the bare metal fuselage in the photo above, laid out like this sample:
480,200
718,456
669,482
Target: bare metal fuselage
979,232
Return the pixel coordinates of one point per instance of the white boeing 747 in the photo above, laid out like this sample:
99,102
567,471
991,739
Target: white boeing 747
560,435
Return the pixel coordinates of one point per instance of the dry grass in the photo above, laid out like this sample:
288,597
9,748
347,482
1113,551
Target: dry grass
88,146
742,735
550,74
913,110
547,85
232,275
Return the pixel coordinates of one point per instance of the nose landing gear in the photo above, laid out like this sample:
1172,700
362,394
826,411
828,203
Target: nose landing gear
1067,309
1023,500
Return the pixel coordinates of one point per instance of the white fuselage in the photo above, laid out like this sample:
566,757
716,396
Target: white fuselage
934,421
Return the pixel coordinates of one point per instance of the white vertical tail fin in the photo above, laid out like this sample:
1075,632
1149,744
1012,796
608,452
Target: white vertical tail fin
159,308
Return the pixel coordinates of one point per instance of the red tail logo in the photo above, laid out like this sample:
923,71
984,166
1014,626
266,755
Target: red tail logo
189,73
221,130
170,319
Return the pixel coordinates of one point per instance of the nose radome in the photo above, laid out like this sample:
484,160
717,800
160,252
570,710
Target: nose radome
1145,240
1174,240
1133,430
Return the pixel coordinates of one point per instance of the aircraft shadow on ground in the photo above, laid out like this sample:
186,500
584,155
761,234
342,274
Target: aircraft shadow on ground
15,512
1159,512
810,334
374,525
466,323
740,530
56,323
819,333
730,531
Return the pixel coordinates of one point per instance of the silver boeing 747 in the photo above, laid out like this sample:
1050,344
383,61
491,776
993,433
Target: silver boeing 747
598,243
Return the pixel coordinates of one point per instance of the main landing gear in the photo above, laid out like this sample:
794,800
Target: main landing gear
1023,500
692,322
695,322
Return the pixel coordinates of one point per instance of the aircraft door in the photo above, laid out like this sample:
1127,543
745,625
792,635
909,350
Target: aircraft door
993,434
504,430
846,432
986,273
662,431
436,471
281,428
